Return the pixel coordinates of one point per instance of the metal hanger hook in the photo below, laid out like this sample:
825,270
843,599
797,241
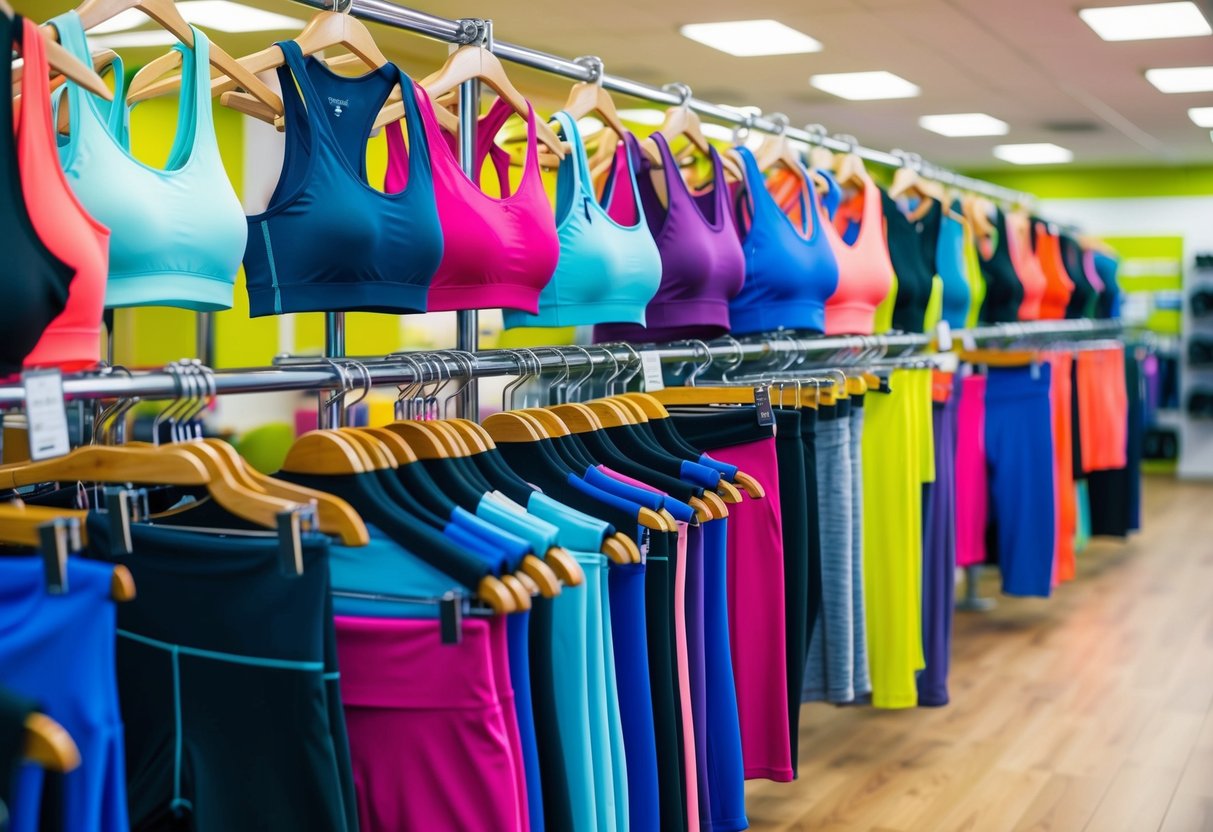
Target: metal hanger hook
617,367
556,388
171,369
577,385
699,368
678,88
594,66
736,359
781,122
635,357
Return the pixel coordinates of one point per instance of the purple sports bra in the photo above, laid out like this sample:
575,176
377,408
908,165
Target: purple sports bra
702,264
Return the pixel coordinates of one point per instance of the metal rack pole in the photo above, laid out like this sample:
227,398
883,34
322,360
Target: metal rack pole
332,413
467,322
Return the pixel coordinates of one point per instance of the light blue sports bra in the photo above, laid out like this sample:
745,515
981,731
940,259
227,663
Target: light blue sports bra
607,272
178,234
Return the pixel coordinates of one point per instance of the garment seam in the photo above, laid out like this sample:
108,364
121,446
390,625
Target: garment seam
216,655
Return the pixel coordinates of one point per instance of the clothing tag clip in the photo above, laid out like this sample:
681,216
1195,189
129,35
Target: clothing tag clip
943,336
118,509
654,379
59,538
762,398
290,543
46,414
1035,366
450,618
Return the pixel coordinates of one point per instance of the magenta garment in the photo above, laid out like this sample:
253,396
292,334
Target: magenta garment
684,680
972,508
1091,272
430,750
496,252
756,615
702,264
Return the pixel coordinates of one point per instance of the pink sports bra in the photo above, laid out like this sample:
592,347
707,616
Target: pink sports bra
497,252
865,273
1027,266
73,339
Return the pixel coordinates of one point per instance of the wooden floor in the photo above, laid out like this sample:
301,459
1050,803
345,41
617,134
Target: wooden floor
1089,711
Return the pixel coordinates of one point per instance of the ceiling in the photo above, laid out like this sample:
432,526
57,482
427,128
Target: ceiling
1032,63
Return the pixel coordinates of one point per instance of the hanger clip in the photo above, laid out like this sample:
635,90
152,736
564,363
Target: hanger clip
59,538
291,526
762,398
120,506
450,618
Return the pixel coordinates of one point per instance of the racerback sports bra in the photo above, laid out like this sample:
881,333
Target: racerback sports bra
608,271
33,280
865,273
790,270
498,252
941,231
328,241
1004,292
702,264
1058,286
915,272
177,234
1027,267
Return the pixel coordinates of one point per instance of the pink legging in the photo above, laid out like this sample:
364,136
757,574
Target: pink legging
972,507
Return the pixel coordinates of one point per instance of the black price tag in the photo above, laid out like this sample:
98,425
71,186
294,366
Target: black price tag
762,399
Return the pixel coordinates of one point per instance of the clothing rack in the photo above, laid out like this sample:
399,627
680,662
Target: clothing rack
480,31
320,374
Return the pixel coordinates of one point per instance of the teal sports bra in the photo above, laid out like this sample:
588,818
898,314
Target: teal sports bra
607,272
177,235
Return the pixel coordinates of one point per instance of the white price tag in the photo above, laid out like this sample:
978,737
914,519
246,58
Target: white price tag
653,379
46,413
943,336
968,341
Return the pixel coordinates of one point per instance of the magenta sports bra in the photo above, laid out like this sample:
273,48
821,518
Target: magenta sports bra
497,252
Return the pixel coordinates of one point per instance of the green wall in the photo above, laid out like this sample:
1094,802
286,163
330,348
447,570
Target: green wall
1065,182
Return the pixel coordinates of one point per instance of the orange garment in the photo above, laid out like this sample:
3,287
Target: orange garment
1103,409
1027,268
865,272
1066,514
1059,286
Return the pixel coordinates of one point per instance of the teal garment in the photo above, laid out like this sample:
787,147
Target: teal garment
950,265
177,235
577,530
384,567
539,534
570,661
607,272
619,760
595,566
1082,530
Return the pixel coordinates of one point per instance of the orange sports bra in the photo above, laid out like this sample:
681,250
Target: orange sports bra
865,272
1058,287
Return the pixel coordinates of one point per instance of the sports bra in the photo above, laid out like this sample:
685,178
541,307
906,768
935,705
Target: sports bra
607,272
1027,267
1058,286
1109,300
177,234
1004,292
790,270
328,241
1083,302
942,235
702,265
865,273
914,269
497,252
33,280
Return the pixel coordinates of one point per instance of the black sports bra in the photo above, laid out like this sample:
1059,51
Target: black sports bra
1004,292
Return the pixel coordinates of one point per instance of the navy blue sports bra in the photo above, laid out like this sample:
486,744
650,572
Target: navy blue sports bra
329,242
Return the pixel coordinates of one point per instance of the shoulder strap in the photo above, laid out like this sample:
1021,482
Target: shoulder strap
312,105
754,181
576,160
633,166
419,149
193,112
37,131
114,113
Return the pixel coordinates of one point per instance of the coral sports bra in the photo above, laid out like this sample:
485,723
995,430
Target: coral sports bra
865,273
1058,287
790,269
608,272
702,264
1027,267
73,340
177,235
328,241
33,280
498,252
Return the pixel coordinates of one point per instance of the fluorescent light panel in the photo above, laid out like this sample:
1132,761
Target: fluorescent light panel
865,86
1182,79
223,15
964,124
1201,116
1148,21
751,38
1040,153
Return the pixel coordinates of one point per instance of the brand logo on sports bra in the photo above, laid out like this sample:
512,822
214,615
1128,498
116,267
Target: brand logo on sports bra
338,105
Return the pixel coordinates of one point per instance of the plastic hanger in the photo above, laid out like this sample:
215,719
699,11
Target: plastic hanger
49,745
166,13
64,63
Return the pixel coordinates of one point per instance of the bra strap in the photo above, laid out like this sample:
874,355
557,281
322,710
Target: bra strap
73,39
632,161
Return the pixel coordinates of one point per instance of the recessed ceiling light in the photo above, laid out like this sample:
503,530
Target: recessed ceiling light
1147,22
751,38
1182,78
964,124
1201,116
1038,153
643,115
227,16
134,40
865,86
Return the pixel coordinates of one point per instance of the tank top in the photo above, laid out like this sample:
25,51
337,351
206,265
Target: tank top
915,271
865,272
72,340
1004,292
1109,301
328,241
1058,287
177,234
941,233
702,265
607,271
1083,301
790,270
1027,267
499,252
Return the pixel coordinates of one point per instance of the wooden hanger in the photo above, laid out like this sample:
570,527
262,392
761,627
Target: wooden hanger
394,443
588,98
610,414
704,395
578,417
49,745
651,405
681,120
545,421
977,210
20,525
64,63
167,15
849,170
907,181
513,426
382,459
325,453
423,437
1000,358
777,152
621,549
474,436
